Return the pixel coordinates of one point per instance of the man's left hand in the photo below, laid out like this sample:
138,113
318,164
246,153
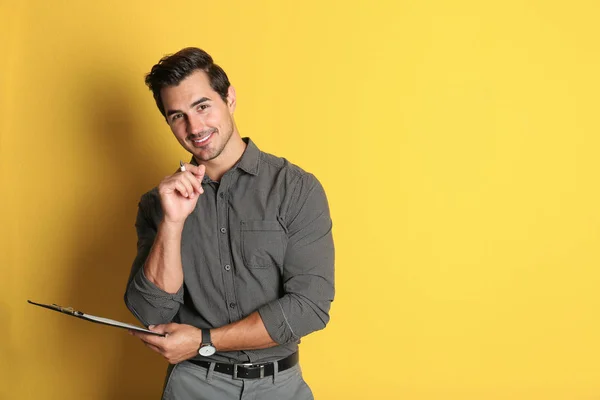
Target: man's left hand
180,343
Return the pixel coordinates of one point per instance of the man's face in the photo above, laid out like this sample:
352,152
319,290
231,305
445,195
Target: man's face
201,121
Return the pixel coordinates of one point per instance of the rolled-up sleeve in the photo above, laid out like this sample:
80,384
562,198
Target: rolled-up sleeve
150,304
308,269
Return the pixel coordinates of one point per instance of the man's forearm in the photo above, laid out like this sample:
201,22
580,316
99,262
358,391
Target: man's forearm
181,341
246,334
163,265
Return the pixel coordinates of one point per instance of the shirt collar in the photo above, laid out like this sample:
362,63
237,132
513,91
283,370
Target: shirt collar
250,158
248,163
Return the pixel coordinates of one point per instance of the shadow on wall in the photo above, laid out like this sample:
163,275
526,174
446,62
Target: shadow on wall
122,168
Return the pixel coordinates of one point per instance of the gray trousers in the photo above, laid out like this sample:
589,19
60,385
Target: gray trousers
187,381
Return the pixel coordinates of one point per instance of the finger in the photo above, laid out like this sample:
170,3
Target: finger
200,171
153,347
187,179
182,189
197,170
194,182
174,183
138,334
166,329
162,328
148,337
154,340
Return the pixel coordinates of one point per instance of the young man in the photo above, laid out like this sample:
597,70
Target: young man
235,257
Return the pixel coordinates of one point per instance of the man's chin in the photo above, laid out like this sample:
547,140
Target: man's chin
205,155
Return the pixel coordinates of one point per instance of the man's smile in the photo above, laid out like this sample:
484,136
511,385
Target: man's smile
203,140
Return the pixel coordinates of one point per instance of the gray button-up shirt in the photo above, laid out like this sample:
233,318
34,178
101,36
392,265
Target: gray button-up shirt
260,239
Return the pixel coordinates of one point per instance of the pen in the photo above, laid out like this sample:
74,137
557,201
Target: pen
181,166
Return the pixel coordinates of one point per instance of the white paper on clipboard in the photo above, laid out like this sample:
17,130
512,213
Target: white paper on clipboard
93,318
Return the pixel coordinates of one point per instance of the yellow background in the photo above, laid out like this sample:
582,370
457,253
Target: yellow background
457,141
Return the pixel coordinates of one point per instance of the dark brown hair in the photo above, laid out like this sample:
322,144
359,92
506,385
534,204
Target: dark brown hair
174,68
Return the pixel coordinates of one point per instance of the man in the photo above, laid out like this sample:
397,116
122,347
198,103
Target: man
235,257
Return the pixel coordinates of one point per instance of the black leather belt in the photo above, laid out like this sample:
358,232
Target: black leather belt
251,371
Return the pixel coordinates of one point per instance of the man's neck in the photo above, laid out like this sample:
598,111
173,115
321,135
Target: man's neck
231,154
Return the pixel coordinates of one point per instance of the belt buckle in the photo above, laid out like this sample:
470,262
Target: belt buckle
248,365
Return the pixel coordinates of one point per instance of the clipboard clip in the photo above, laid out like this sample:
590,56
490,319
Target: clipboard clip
66,310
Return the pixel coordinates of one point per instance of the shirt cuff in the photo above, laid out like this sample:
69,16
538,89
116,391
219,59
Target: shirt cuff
150,303
276,323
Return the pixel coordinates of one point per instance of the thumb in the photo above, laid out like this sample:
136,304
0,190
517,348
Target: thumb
198,171
158,328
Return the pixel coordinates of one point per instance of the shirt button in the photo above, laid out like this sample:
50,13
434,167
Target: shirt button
232,305
221,195
227,267
223,230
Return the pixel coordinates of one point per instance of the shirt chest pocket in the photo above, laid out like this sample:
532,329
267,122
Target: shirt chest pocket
263,243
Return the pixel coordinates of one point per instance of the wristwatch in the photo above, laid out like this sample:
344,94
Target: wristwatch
206,347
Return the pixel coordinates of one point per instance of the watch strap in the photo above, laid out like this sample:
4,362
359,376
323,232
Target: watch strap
206,337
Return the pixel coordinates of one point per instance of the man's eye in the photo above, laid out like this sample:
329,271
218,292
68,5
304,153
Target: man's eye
203,106
175,117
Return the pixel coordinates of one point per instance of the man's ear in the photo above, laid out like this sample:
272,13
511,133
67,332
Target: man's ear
231,101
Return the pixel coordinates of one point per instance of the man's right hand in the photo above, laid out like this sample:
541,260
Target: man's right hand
179,193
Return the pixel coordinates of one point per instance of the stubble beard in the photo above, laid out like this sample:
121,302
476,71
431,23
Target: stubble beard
219,150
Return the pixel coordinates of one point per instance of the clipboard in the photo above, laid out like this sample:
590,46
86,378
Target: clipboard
92,318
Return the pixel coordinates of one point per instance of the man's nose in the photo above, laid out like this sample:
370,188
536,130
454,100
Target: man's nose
195,125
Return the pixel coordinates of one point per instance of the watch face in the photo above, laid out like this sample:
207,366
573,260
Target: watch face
207,350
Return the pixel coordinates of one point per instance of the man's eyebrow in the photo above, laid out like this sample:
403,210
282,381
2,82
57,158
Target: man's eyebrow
194,104
200,101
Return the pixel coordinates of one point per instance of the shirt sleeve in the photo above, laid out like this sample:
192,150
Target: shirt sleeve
150,304
308,268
